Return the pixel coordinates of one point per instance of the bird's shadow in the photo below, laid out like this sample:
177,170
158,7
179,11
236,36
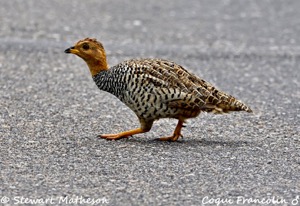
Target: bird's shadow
188,142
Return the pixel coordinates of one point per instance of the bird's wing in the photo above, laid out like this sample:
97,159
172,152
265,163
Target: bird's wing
170,81
184,89
197,91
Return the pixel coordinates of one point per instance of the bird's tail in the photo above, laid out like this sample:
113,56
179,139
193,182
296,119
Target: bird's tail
232,104
227,103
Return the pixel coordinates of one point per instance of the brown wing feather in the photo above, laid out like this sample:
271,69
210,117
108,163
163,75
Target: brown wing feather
199,94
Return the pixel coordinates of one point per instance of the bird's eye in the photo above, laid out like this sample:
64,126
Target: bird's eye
85,46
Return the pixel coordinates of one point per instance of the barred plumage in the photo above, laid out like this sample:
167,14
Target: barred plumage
154,89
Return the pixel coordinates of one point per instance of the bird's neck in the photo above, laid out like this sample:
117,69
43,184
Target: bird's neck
103,80
110,81
97,65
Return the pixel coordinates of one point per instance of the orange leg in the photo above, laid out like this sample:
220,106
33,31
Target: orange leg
122,134
176,134
145,127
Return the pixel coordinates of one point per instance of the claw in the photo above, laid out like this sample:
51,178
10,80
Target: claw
111,136
176,134
172,138
121,135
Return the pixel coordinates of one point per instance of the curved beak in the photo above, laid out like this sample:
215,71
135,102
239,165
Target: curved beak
71,50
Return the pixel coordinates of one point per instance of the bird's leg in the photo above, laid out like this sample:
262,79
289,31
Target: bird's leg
176,134
122,134
145,127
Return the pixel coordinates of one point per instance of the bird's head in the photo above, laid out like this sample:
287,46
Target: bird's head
92,52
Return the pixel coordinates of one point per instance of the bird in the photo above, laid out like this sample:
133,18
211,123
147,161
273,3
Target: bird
154,88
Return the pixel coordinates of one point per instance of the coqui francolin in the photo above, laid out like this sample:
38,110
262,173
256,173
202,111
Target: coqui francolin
154,89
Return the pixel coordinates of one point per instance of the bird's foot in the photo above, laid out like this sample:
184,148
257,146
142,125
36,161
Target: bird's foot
112,136
122,135
172,138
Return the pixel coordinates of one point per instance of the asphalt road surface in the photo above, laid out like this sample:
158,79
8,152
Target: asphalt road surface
51,111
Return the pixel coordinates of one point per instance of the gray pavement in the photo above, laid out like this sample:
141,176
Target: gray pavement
51,112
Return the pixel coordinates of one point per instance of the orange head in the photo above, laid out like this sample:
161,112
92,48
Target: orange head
92,52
